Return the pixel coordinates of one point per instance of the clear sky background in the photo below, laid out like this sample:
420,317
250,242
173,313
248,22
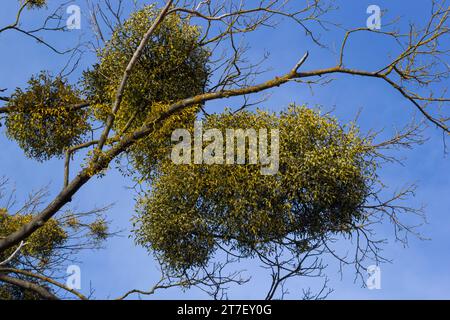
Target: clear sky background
419,271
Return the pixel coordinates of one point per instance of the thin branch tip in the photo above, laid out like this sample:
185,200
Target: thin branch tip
300,62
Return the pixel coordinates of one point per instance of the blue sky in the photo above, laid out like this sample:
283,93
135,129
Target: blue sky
419,271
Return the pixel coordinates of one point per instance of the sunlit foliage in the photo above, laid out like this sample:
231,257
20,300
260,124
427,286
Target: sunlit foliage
324,177
40,244
42,120
45,248
173,66
32,4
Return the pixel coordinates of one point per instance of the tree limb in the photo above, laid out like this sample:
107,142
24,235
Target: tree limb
44,293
